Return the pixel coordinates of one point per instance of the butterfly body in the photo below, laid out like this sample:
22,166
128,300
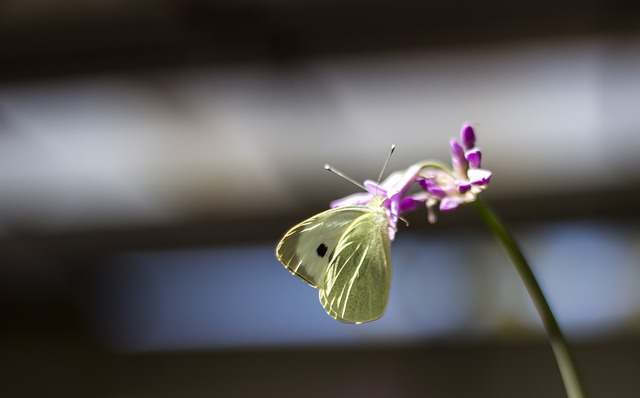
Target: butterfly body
345,254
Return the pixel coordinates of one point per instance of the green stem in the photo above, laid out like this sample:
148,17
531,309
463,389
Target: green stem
565,360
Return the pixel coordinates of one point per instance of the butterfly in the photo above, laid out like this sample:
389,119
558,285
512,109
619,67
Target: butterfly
344,253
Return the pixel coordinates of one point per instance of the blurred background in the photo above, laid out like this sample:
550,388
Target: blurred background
152,154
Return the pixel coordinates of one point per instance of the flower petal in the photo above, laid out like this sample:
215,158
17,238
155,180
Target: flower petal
392,180
468,136
473,156
411,203
429,185
406,180
449,204
479,176
463,186
356,199
457,157
374,188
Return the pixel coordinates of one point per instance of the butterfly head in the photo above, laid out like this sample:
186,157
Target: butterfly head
377,196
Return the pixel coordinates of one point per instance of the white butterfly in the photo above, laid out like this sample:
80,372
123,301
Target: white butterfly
344,253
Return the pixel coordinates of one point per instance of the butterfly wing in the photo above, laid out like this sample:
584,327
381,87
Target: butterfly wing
358,278
307,248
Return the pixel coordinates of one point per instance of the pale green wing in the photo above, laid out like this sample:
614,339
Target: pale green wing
358,278
307,248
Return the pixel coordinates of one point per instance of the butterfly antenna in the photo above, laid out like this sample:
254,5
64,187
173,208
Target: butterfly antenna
384,166
341,174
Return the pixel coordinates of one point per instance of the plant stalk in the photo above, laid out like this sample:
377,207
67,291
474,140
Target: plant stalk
564,358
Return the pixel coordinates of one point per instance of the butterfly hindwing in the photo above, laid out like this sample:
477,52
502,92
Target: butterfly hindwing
358,278
306,248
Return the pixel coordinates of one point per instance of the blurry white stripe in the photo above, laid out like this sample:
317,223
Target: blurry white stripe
549,115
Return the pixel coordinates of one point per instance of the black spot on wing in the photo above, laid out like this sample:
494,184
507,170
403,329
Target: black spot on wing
322,250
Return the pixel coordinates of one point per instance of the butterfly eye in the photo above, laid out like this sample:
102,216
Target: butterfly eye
322,250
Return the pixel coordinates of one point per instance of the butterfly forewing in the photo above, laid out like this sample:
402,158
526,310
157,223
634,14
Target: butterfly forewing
358,278
307,248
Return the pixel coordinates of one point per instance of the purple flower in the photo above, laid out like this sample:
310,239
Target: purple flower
451,188
439,185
